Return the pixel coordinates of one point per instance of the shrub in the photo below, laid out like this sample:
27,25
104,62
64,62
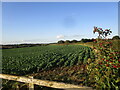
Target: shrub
116,38
103,72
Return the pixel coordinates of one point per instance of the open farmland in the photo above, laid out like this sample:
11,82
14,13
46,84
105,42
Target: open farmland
22,61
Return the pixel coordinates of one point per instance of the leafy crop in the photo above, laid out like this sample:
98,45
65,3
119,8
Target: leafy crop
21,61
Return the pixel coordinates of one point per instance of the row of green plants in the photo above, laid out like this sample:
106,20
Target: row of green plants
22,61
104,71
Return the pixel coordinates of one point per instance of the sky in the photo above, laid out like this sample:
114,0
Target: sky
49,22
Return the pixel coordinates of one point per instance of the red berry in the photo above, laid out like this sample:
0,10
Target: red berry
103,59
115,66
107,60
100,63
111,57
94,40
110,42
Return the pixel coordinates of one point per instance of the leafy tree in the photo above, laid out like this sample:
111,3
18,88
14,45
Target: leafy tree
61,41
67,41
86,40
116,37
74,41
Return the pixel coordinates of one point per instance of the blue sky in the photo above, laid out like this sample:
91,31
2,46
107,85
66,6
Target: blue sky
44,22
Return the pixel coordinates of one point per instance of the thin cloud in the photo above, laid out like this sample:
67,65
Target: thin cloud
70,36
60,36
77,35
28,41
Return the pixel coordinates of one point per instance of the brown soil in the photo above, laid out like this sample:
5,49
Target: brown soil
73,75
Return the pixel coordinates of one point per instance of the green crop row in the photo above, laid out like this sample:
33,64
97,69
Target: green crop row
21,61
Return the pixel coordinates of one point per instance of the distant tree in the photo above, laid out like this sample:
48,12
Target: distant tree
90,40
115,37
86,40
83,40
67,41
74,41
61,41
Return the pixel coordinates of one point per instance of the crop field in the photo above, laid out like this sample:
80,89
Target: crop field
22,61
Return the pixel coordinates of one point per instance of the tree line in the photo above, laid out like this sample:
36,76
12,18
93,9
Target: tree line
75,41
84,40
59,42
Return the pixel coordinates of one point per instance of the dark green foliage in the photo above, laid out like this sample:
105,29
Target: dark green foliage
86,40
61,42
67,41
21,61
74,41
116,38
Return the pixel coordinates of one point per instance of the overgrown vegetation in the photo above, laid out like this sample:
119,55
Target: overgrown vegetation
103,72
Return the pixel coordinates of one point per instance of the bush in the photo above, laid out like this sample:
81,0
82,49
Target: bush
61,41
116,38
103,72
